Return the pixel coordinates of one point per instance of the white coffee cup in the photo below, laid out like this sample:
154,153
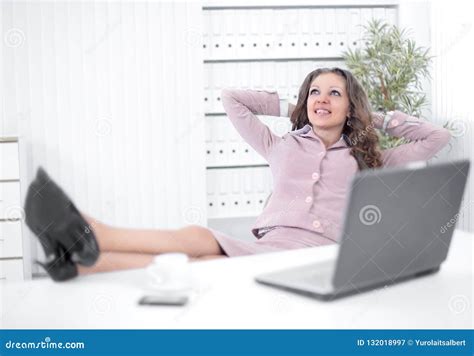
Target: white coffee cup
170,272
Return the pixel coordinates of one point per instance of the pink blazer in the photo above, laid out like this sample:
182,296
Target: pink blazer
311,182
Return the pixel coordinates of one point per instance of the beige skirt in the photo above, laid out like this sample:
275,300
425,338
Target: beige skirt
273,239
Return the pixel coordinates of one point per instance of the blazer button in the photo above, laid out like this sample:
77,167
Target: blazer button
315,176
309,199
316,224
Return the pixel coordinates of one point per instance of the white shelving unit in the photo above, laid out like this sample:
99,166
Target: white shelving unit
11,212
267,46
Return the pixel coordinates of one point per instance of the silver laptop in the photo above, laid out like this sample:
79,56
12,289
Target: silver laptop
398,225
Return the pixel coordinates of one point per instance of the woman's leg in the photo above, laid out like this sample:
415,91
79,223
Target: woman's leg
193,240
114,261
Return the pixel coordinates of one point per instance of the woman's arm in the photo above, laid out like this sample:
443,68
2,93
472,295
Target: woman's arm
426,138
242,106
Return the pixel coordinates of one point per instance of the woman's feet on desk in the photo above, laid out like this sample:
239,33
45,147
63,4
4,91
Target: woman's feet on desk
64,234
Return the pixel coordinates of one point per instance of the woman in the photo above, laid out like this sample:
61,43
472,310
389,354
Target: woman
312,165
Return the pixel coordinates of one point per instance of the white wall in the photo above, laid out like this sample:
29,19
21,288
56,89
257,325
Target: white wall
452,36
107,97
447,28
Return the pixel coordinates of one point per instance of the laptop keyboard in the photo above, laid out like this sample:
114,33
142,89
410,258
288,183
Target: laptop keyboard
319,274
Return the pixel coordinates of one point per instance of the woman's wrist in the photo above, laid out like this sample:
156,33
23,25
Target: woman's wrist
381,119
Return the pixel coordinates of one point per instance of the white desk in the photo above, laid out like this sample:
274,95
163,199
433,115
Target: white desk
228,297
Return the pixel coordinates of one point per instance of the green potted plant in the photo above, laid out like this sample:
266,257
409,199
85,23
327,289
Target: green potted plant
391,68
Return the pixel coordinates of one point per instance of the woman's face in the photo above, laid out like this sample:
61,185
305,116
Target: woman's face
328,103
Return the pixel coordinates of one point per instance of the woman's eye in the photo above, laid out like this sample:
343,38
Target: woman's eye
313,91
335,92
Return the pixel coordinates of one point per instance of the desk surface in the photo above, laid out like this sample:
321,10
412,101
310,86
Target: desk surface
226,296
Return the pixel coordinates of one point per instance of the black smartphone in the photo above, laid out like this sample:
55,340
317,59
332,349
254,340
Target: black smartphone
163,300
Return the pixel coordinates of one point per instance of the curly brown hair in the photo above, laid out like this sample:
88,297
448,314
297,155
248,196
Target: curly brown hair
358,128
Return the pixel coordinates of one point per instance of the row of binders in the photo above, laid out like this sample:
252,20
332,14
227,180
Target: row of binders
317,32
237,192
225,147
282,76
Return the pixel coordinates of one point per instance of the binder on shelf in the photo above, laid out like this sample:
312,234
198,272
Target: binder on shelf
294,40
306,68
295,80
329,45
231,75
365,17
218,30
241,34
235,147
213,35
244,34
243,75
379,13
208,83
219,83
223,192
391,16
255,32
342,36
318,33
209,141
262,188
281,78
221,140
228,41
280,26
232,143
207,34
249,155
211,193
267,35
305,43
236,193
354,32
268,76
256,74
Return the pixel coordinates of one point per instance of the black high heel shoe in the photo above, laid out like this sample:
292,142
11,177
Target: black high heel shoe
64,234
58,264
